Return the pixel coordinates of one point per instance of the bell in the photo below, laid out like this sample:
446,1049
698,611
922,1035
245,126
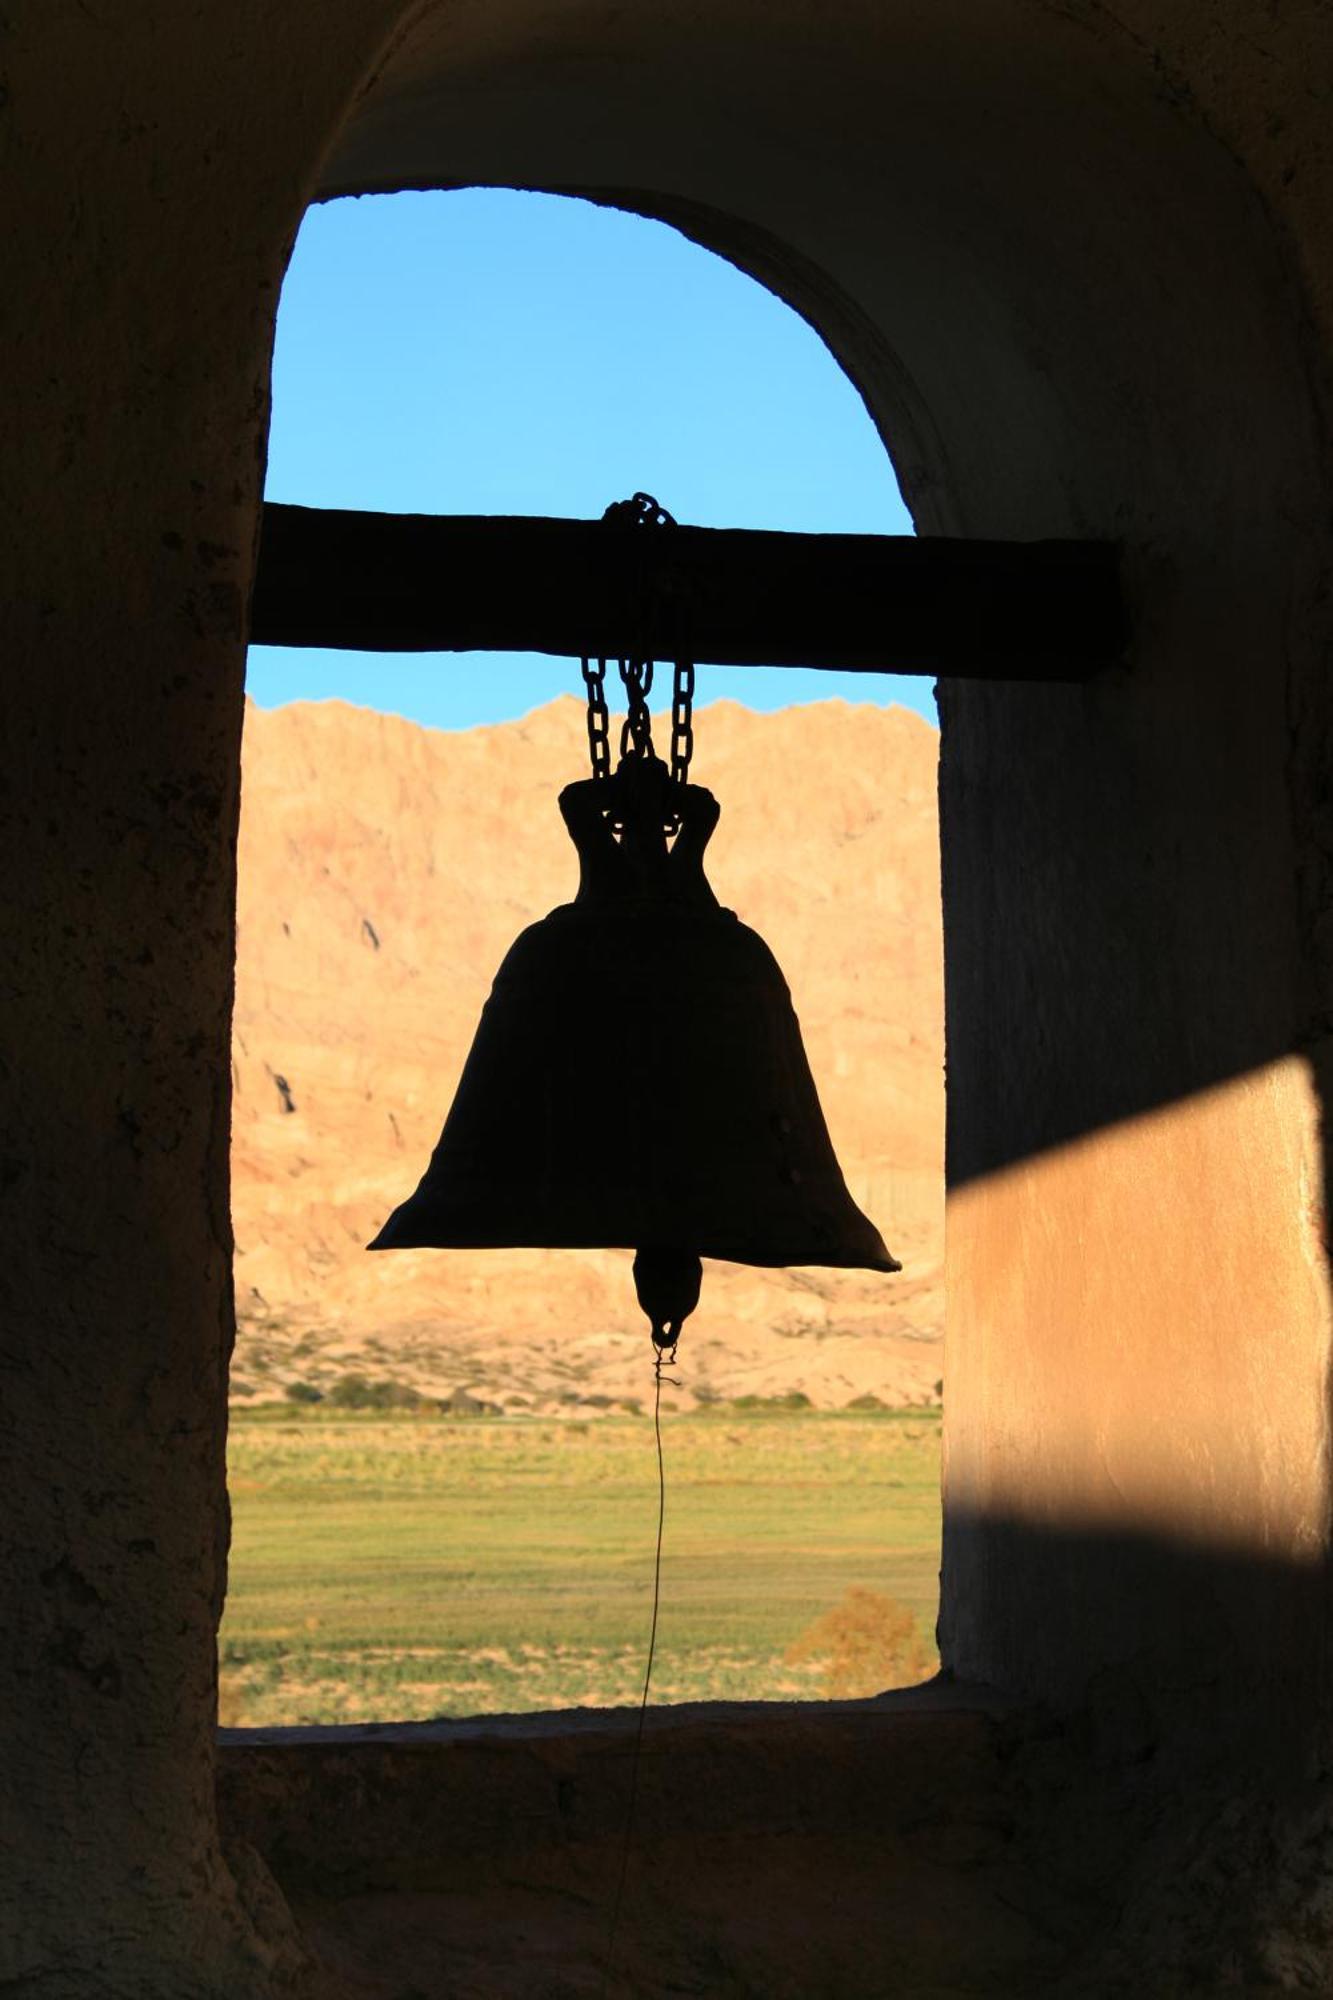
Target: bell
638,1077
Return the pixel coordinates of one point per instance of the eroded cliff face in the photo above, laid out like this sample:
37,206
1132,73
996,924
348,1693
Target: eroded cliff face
384,871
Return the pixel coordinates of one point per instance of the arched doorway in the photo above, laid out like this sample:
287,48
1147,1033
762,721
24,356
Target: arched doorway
383,870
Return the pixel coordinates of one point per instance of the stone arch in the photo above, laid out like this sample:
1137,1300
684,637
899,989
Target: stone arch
1011,259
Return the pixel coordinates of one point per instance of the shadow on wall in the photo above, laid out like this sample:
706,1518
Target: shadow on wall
1136,1463
1133,939
1187,1635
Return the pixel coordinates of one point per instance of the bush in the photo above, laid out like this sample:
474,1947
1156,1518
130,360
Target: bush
461,1402
791,1399
867,1643
303,1392
357,1392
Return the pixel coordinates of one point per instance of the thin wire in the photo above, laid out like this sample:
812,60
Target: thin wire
648,1672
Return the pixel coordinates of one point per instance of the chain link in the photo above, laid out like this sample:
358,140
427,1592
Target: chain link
636,734
682,722
642,511
599,718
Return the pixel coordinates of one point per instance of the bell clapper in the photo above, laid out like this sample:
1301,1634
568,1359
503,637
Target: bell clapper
667,1283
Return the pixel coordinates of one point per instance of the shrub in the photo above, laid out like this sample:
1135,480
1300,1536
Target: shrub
461,1402
303,1392
231,1702
866,1643
357,1392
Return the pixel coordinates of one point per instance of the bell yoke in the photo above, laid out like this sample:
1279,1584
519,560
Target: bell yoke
638,1078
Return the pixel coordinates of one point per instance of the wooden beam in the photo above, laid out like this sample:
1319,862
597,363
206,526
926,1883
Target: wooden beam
1048,611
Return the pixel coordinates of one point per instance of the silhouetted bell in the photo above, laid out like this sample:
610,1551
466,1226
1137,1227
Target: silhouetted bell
638,1077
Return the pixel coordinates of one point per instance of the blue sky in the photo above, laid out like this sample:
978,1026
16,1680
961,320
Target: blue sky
490,352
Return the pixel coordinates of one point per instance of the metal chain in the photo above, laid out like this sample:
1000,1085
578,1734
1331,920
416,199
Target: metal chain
599,718
682,722
642,511
636,734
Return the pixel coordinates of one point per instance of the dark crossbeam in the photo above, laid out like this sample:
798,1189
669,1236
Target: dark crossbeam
393,583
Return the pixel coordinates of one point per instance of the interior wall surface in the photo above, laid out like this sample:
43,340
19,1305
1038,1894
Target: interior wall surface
156,162
1078,263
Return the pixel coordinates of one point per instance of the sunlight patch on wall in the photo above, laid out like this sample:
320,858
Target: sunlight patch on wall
1128,1315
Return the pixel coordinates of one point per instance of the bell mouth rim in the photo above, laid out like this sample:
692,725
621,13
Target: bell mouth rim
885,1263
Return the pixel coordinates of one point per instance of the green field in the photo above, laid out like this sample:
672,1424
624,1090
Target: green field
417,1565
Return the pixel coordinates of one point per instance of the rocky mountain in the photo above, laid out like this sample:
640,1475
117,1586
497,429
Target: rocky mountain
384,870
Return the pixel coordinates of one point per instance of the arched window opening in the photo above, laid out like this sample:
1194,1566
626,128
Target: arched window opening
444,1492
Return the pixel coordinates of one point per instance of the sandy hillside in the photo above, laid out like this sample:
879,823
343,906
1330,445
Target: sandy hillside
384,870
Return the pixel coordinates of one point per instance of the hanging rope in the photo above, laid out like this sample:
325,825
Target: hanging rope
663,1359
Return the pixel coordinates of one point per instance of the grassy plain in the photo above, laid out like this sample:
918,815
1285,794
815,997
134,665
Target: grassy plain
412,1565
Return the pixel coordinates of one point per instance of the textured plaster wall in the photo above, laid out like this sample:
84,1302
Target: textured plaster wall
156,162
1079,262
